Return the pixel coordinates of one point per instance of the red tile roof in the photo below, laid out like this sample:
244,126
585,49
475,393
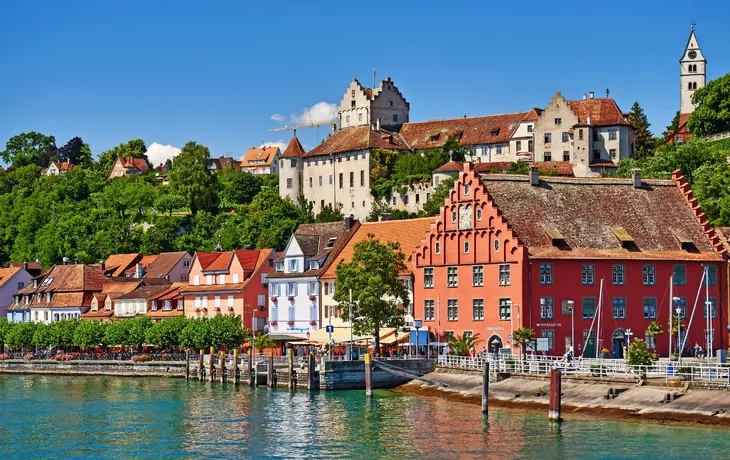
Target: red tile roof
161,266
64,166
488,129
117,264
451,166
559,168
248,258
30,266
133,163
603,112
358,138
206,258
258,157
294,149
224,162
6,274
222,262
68,278
533,114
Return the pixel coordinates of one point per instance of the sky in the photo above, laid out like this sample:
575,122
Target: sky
223,73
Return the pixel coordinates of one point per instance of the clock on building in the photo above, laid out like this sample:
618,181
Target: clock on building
465,217
692,54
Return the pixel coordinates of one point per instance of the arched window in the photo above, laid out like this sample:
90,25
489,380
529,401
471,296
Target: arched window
496,245
479,214
466,247
453,216
689,86
466,189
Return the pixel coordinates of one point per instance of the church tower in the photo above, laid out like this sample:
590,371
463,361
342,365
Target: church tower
692,71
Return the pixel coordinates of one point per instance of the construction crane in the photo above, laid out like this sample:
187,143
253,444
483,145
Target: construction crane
308,125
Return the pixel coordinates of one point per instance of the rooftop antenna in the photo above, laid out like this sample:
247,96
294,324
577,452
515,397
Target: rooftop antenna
608,91
375,79
692,26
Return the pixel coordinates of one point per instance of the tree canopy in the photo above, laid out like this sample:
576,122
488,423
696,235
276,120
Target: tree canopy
640,123
31,148
192,179
712,112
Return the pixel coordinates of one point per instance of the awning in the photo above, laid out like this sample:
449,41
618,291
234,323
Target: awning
388,339
342,335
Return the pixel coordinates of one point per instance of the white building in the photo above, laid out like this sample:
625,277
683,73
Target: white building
261,161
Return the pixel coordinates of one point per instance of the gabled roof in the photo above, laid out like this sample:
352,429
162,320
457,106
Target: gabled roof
117,264
358,138
221,261
488,129
223,162
406,232
258,157
172,292
68,278
602,112
63,166
161,266
144,292
587,212
294,149
30,265
133,163
7,273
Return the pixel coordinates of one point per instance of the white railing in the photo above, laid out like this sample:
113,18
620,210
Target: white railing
718,136
712,374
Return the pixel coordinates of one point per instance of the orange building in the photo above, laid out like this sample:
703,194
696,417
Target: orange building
231,282
513,251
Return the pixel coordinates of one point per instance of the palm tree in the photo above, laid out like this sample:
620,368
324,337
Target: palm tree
461,345
259,341
524,336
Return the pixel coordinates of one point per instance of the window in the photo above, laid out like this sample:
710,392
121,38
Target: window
330,243
477,309
479,214
566,136
711,275
589,307
548,138
619,308
546,308
550,335
612,153
330,180
648,275
395,116
352,93
452,277
186,263
217,301
352,179
499,150
496,245
437,248
466,247
320,181
529,128
466,189
580,134
477,275
362,178
347,118
682,304
359,117
223,279
504,278
712,301
505,309
566,155
291,289
546,274
679,275
293,265
395,201
209,280
452,310
311,184
314,265
649,308
547,156
230,301
453,216
617,274
587,275
529,146
205,302
428,196
418,198
312,288
289,183
341,181
428,310
612,134
558,121
405,199
274,290
518,146
428,277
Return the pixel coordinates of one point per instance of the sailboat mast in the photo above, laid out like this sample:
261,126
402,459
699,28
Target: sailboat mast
598,328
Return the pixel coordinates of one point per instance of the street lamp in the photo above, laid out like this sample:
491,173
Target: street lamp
678,310
307,337
571,308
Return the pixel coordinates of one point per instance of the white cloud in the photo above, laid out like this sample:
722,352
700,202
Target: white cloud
159,153
278,117
280,143
321,112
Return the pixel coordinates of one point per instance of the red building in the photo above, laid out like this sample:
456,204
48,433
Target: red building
512,251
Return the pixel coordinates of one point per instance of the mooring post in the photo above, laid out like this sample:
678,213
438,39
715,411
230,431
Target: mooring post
270,371
200,364
236,370
485,389
555,395
311,383
187,364
222,366
368,376
211,365
290,358
251,377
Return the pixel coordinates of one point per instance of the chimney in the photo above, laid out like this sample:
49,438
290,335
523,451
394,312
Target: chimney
590,95
35,283
25,266
103,266
382,217
138,272
534,178
377,124
588,120
349,222
636,177
584,96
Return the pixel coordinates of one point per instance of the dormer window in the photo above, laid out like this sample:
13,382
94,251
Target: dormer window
314,265
435,138
47,281
167,306
48,296
293,265
108,305
186,263
330,243
279,266
495,132
154,305
94,305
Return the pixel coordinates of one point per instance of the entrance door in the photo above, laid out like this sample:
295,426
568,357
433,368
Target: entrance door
589,344
619,341
495,343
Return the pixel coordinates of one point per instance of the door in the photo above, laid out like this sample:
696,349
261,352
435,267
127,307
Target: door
618,340
589,344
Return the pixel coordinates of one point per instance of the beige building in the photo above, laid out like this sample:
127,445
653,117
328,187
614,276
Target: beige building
362,106
290,170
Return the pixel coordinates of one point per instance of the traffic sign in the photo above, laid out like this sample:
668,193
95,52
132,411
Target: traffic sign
329,329
417,323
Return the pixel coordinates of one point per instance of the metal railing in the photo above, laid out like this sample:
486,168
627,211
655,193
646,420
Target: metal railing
76,356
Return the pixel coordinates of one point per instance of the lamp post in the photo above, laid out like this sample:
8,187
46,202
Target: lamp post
678,310
396,343
571,307
308,338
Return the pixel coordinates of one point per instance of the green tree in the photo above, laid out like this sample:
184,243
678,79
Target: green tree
463,344
227,330
166,204
712,188
433,205
455,150
5,327
639,354
116,333
237,188
191,178
43,336
260,341
20,335
62,333
523,337
712,112
88,334
372,276
196,334
673,125
653,330
30,148
75,152
137,331
135,148
640,123
329,214
167,334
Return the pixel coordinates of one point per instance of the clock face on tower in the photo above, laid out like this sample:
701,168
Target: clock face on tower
692,54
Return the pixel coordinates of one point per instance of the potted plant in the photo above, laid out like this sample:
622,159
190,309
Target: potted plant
312,297
312,323
605,353
274,323
291,298
290,323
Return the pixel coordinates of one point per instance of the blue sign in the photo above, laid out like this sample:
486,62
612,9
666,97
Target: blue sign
422,338
329,329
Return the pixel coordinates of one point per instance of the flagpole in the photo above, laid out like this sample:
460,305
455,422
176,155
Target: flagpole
438,323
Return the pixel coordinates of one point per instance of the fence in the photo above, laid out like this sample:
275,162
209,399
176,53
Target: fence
718,136
106,356
700,373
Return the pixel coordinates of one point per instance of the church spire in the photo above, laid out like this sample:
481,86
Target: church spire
692,72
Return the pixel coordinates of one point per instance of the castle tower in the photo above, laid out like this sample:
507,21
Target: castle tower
291,164
693,73
382,106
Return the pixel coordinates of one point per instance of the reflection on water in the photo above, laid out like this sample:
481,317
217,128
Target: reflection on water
109,417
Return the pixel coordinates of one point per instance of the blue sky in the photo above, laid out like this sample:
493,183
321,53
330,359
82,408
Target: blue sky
173,71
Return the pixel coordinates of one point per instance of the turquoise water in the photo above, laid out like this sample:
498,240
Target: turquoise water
107,417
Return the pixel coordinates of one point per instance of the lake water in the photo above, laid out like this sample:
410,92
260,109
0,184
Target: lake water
107,417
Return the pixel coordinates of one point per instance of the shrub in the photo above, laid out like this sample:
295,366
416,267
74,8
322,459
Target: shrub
4,357
141,358
64,357
29,357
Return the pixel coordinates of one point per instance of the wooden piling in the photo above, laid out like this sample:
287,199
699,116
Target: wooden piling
368,377
211,365
270,372
251,376
187,364
311,382
290,357
222,366
236,370
555,395
485,389
200,364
